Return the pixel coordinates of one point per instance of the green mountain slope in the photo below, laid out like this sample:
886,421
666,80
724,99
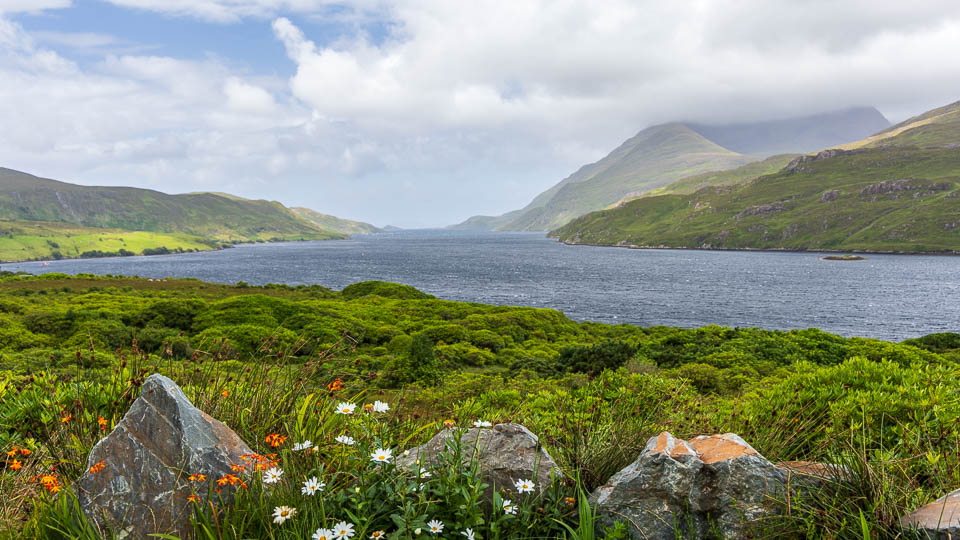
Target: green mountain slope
333,223
653,158
207,215
740,175
872,199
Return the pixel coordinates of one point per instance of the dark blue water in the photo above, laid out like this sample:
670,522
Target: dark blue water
887,296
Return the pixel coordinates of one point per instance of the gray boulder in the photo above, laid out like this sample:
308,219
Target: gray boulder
937,520
708,487
148,457
505,453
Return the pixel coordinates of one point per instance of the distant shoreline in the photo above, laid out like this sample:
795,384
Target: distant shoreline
785,250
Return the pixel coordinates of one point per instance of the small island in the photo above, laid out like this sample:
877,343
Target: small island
843,258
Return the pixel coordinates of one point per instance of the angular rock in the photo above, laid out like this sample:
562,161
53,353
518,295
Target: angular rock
708,487
163,439
939,519
505,454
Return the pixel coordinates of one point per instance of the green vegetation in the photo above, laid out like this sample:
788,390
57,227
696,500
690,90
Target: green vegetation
937,128
190,221
37,240
333,223
266,359
885,199
740,175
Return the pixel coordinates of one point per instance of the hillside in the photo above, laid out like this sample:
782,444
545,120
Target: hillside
663,154
206,215
885,199
739,175
333,223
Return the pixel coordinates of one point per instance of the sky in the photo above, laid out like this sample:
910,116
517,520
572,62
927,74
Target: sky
422,113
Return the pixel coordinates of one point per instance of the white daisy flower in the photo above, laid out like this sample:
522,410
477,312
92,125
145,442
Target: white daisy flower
382,455
376,535
468,533
302,446
343,530
345,440
509,507
312,486
272,475
323,534
345,407
524,486
283,513
380,407
435,526
482,424
425,473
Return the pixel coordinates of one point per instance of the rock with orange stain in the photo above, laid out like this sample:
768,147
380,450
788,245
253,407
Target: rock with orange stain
142,485
708,486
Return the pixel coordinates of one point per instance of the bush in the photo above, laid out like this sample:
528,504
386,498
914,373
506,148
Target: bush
595,358
384,289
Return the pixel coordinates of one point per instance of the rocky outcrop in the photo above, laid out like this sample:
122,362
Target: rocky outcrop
708,487
142,485
505,453
830,195
937,520
796,165
896,187
762,209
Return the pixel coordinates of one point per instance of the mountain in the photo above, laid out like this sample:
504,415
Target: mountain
486,223
662,154
895,191
207,215
654,157
333,223
796,135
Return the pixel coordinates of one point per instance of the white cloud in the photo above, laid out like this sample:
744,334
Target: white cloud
31,6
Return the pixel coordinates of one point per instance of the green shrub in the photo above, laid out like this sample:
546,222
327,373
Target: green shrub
383,289
595,358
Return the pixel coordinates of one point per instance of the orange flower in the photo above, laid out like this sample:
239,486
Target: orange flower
275,440
24,452
335,385
230,479
238,468
193,498
198,477
16,465
98,467
225,393
102,422
67,418
13,452
55,488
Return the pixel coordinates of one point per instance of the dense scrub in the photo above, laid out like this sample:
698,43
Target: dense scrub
260,357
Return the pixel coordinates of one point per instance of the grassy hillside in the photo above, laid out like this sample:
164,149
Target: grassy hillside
739,175
882,199
208,215
333,223
278,359
39,240
654,157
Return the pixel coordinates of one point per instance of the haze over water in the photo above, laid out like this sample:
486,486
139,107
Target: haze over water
890,297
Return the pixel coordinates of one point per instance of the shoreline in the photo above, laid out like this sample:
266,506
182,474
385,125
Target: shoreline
947,253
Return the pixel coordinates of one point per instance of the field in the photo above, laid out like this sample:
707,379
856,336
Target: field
37,240
278,359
